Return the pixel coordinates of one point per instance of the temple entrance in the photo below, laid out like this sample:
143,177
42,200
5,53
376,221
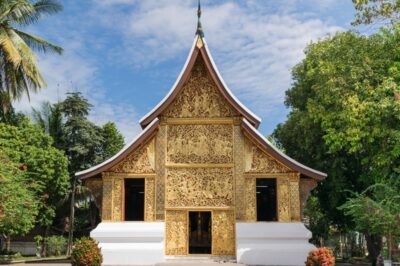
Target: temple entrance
134,199
200,232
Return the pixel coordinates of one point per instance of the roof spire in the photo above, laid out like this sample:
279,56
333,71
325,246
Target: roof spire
199,30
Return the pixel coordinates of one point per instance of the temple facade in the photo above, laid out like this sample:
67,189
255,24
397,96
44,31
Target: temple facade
201,180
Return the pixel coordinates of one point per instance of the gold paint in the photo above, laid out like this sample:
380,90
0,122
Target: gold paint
295,199
199,165
200,144
250,199
199,97
223,233
238,149
149,197
176,233
139,161
118,194
106,213
161,148
199,187
201,121
199,42
283,200
133,175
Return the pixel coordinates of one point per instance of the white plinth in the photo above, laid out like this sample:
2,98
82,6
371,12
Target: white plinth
130,243
272,243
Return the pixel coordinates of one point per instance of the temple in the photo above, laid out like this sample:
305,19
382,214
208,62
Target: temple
200,180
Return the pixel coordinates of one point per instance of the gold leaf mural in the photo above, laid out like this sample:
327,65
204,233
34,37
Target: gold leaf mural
283,200
223,233
149,199
117,199
176,233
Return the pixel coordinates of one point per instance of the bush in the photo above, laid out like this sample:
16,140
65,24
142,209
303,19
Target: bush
56,245
86,252
320,257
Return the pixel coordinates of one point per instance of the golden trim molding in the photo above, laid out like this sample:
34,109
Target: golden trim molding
201,121
199,165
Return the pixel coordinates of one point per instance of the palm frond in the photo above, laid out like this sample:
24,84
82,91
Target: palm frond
20,12
47,7
8,46
39,44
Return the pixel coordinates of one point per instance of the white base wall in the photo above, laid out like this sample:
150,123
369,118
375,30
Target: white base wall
130,243
272,243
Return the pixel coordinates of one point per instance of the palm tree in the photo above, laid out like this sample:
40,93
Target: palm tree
19,73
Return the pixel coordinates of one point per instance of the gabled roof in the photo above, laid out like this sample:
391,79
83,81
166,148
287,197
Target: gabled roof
280,156
104,166
200,48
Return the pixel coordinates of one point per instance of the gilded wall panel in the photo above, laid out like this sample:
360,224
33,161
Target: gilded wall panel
95,186
295,198
176,233
223,233
199,187
257,161
250,200
106,214
283,200
200,144
117,199
199,97
238,148
161,146
149,199
140,161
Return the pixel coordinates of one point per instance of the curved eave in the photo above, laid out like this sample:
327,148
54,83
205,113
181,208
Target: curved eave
215,75
280,156
139,140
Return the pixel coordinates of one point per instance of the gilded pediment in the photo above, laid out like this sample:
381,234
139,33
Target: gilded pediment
258,161
140,161
199,97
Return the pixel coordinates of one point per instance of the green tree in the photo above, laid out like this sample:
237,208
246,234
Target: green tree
345,117
27,145
113,141
377,11
19,73
18,202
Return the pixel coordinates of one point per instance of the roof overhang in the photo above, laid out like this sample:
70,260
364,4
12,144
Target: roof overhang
200,50
142,138
263,142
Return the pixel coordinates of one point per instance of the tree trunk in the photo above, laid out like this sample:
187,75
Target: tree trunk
8,242
71,218
374,246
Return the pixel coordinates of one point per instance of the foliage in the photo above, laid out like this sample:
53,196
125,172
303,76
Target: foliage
57,245
317,221
320,257
345,115
18,70
370,11
377,210
18,204
46,166
86,252
113,141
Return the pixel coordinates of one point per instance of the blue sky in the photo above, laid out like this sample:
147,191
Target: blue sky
124,55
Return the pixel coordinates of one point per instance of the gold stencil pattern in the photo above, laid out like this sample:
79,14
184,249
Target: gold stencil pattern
199,187
117,199
251,203
140,161
257,161
149,199
161,141
295,199
176,233
200,144
199,97
238,149
223,233
283,200
107,199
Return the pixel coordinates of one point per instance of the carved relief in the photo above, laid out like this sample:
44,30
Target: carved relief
283,200
295,198
306,186
106,213
176,233
223,233
238,149
161,141
140,161
200,144
149,199
257,161
251,203
199,187
117,199
95,186
199,97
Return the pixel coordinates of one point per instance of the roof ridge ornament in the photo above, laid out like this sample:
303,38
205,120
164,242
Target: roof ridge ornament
199,30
